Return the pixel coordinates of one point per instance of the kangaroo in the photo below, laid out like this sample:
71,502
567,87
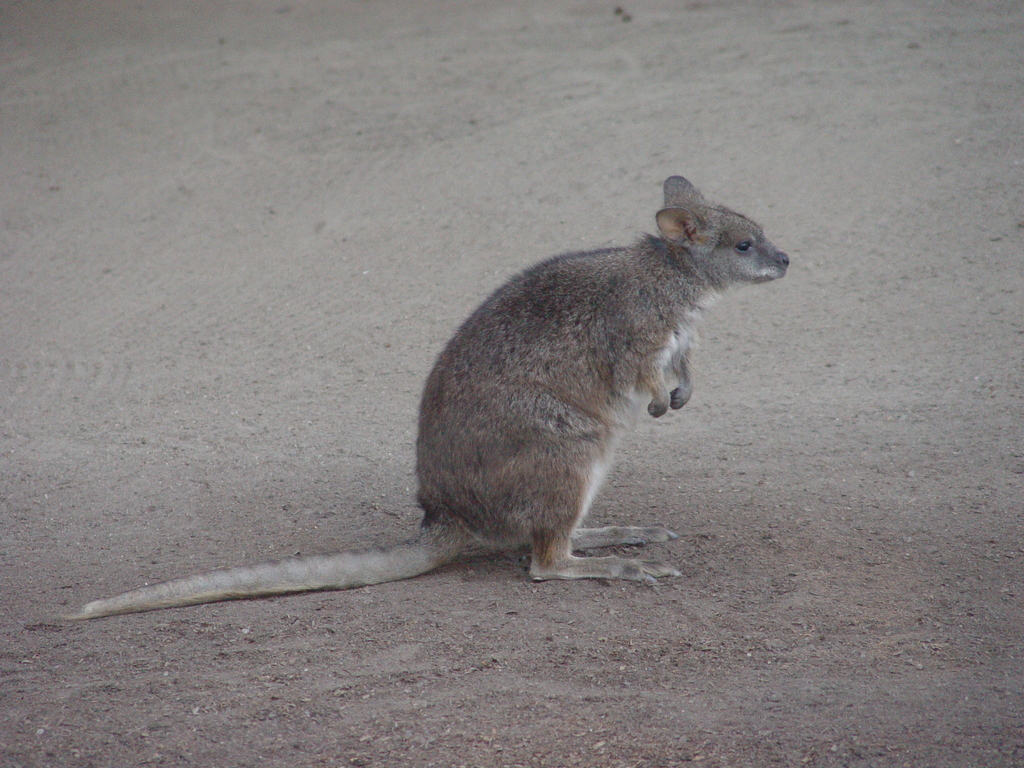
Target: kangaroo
522,411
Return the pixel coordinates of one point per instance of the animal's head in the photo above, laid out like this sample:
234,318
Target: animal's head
727,247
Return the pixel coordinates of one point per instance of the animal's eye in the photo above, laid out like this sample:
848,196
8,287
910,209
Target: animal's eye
743,247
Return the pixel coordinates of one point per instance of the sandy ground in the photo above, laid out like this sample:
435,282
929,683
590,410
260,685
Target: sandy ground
234,237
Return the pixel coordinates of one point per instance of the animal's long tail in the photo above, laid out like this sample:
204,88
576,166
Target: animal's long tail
344,570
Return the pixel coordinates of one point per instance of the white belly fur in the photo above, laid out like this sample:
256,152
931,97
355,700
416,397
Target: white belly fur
680,340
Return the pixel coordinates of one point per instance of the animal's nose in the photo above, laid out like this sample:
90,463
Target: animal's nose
782,258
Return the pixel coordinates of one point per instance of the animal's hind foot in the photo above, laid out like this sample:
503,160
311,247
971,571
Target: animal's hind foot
614,535
646,571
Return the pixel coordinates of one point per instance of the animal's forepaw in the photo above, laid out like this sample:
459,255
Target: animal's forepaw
679,397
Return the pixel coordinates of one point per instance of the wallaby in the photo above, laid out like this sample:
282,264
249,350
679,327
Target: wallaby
523,408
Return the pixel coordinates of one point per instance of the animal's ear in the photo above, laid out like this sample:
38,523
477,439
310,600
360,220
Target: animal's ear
680,193
679,225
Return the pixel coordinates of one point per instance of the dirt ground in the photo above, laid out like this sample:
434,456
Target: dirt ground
234,237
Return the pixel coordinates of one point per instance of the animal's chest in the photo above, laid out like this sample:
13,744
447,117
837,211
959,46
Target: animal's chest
679,342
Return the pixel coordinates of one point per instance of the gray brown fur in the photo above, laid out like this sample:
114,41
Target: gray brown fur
522,411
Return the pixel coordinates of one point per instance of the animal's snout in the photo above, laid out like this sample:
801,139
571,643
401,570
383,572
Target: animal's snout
782,258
